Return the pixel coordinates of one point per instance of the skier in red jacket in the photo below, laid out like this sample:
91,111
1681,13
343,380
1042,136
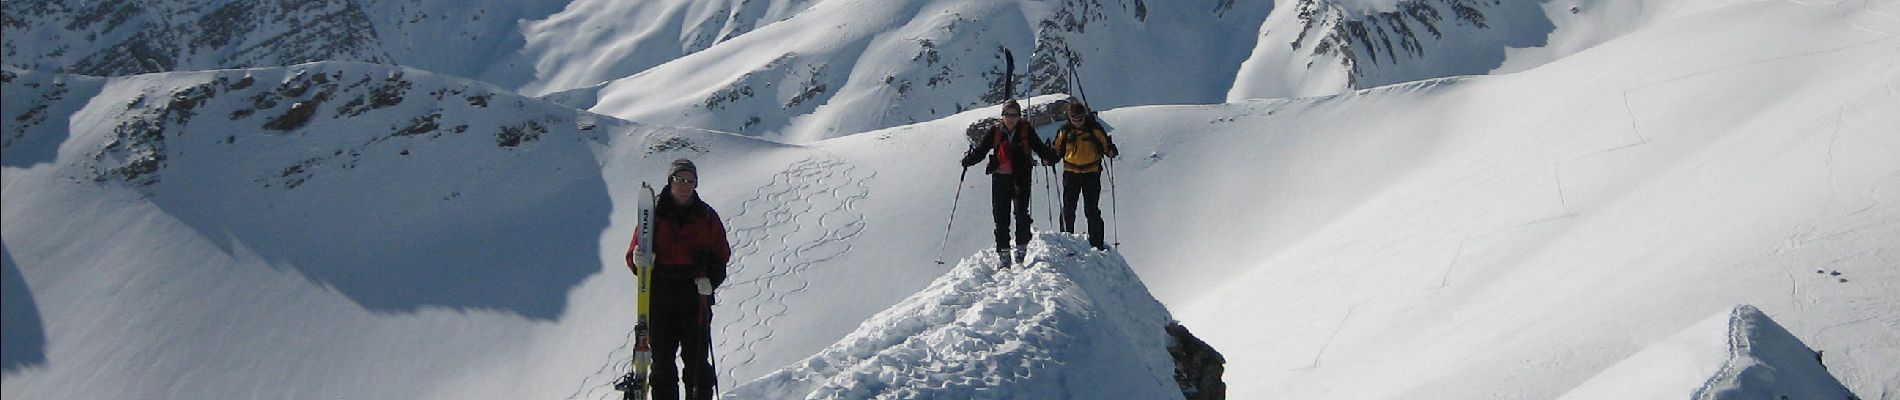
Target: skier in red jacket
689,258
1008,147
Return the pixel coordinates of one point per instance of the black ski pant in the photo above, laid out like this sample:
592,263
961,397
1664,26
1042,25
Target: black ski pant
1087,187
681,330
1009,195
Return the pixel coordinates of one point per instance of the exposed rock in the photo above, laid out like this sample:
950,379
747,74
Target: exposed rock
1197,367
175,36
1359,40
516,135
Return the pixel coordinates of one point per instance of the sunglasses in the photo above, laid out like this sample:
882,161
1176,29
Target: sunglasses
1012,114
685,180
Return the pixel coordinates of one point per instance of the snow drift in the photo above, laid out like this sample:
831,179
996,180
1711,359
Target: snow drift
1071,322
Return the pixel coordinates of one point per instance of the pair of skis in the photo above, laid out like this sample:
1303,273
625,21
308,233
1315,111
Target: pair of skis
635,385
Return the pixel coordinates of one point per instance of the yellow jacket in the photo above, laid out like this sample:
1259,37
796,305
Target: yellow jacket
1082,149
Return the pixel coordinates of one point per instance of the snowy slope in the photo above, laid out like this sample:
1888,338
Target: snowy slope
848,66
181,247
594,41
1507,236
1525,230
1070,322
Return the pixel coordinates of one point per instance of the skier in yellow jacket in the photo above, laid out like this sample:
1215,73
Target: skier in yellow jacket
1083,145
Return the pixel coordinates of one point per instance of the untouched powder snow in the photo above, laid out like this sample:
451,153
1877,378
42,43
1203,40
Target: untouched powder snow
1070,323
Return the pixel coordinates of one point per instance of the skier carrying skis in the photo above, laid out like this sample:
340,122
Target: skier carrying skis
1008,146
689,257
1083,143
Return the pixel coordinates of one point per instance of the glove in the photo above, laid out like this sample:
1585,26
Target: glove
705,286
969,160
640,258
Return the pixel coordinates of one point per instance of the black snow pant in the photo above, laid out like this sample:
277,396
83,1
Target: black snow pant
682,329
1009,195
1087,186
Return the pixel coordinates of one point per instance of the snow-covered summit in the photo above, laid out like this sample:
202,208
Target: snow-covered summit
1735,354
1070,323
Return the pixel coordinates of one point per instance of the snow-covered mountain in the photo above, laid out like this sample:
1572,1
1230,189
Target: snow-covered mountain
844,67
479,39
1320,47
802,70
357,230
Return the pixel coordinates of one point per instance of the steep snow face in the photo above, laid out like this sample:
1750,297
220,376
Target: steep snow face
1070,322
1321,47
594,41
844,67
1735,354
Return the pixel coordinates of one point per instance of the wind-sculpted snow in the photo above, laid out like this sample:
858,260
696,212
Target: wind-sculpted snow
1070,322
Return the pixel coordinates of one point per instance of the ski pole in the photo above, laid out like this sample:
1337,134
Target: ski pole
712,362
1114,206
1047,209
953,215
699,379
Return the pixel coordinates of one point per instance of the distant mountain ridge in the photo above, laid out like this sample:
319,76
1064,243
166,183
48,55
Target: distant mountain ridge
125,37
824,69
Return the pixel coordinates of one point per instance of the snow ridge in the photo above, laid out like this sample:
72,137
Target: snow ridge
1766,361
981,332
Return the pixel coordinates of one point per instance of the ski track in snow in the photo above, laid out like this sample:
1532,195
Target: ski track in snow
769,255
806,215
600,384
1862,16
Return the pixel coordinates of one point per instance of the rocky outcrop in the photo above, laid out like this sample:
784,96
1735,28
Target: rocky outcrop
1197,367
1358,40
124,37
217,109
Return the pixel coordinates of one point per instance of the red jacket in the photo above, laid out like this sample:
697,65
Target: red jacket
1010,154
689,241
